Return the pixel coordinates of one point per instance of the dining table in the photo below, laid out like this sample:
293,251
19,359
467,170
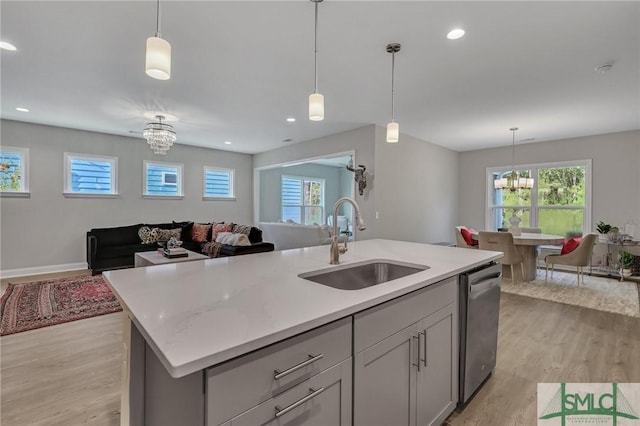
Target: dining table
526,244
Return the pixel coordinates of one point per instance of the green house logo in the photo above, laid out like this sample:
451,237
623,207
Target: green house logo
599,406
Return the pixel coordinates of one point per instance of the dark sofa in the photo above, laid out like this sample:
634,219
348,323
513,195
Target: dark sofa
114,248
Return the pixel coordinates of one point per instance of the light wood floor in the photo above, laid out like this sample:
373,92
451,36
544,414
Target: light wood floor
69,374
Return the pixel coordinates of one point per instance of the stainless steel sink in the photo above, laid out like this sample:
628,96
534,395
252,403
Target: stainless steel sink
365,274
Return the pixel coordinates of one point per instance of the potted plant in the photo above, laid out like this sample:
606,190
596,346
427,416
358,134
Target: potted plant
626,260
603,229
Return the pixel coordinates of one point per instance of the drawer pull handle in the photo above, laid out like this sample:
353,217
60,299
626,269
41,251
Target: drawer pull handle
417,364
313,393
280,374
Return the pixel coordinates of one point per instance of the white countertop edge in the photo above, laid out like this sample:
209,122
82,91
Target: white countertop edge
178,371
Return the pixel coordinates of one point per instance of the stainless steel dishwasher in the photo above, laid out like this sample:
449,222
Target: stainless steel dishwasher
479,311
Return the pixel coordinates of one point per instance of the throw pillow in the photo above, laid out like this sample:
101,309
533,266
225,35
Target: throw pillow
220,227
570,245
232,239
199,232
467,235
145,235
165,234
186,230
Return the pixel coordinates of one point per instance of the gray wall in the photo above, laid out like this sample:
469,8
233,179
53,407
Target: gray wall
412,185
271,188
49,229
361,140
615,174
416,190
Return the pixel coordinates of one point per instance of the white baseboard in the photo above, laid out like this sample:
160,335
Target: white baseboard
37,270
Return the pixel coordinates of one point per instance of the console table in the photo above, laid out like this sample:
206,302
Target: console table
612,265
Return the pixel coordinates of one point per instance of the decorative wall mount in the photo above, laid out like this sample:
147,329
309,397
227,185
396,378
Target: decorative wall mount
360,176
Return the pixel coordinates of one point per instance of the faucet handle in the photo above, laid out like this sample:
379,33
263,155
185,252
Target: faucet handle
342,249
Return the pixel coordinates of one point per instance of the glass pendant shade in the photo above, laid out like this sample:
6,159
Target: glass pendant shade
158,58
316,107
393,132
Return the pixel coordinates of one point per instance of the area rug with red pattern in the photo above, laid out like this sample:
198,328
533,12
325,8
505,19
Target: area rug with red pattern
27,306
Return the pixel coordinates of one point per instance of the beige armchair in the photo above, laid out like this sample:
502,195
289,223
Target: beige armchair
460,241
579,258
502,241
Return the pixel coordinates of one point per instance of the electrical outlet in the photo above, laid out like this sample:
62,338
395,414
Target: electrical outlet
377,215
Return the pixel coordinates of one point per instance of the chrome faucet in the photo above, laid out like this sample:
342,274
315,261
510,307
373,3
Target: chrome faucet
336,248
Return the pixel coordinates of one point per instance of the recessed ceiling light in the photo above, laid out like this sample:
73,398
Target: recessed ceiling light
291,119
21,109
7,46
455,34
227,143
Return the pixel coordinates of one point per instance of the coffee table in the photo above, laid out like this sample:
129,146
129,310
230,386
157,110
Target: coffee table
150,258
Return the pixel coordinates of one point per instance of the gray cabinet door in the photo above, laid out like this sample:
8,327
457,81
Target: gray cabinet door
323,400
437,376
385,381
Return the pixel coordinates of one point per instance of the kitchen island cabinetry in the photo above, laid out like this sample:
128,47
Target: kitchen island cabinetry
247,340
410,377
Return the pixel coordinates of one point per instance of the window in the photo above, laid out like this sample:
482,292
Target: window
13,170
559,202
162,180
218,184
90,175
303,199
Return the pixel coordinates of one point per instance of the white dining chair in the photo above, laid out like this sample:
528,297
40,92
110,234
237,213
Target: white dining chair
502,241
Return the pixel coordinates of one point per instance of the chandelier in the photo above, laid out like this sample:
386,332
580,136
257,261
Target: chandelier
513,181
159,136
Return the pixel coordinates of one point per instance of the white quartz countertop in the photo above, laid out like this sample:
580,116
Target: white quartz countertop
197,314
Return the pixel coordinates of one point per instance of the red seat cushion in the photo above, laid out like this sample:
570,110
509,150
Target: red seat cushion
570,245
467,235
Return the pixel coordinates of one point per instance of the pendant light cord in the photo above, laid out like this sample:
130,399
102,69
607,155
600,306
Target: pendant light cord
315,51
393,105
158,18
513,150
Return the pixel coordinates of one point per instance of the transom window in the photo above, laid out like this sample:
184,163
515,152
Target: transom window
559,202
162,179
303,199
90,175
13,170
218,183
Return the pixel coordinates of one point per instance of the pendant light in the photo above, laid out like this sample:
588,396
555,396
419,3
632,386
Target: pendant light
513,182
393,128
316,100
158,58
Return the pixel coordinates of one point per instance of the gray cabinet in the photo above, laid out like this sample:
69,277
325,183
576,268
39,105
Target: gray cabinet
436,392
409,377
385,381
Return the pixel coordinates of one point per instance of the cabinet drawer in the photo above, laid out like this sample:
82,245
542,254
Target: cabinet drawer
323,400
379,322
245,382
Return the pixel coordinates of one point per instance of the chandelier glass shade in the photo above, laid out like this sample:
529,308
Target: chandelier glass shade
316,100
513,181
159,136
158,56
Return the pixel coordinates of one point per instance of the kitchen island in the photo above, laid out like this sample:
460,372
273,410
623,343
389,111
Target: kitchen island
201,332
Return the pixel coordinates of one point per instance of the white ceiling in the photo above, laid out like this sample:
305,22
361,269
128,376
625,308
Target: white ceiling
240,68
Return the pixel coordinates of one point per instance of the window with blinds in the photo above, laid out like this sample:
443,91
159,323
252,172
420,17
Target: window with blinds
90,175
218,183
302,200
162,179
